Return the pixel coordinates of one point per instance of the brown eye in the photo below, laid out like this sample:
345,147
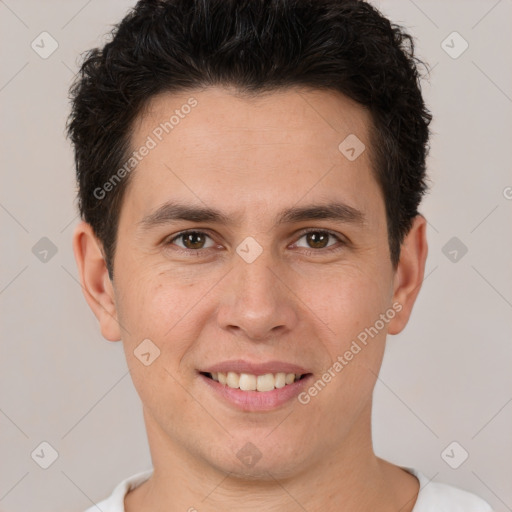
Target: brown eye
193,240
318,239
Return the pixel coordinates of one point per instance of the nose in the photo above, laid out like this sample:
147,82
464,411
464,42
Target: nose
256,303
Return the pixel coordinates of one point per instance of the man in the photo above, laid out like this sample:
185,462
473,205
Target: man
249,178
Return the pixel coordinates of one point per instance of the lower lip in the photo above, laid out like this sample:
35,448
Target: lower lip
257,400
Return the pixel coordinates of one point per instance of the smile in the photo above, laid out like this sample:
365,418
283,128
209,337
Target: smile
250,382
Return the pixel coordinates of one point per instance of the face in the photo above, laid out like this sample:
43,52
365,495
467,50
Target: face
249,243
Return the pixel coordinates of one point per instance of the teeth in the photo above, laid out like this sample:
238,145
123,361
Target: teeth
265,382
248,382
280,380
233,380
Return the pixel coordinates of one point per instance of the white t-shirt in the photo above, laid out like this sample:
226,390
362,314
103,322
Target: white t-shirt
432,497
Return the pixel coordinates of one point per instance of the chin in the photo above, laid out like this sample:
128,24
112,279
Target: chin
259,460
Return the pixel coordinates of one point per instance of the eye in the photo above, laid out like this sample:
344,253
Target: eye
192,240
319,239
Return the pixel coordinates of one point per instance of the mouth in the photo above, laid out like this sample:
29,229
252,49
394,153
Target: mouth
255,386
250,382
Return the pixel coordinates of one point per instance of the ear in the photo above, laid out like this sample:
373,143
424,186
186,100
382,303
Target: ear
409,273
95,281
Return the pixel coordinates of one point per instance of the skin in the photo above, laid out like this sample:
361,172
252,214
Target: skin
250,159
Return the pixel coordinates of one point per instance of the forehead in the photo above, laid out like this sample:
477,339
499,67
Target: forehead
221,116
215,146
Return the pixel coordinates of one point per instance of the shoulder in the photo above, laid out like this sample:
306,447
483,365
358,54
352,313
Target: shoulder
439,497
115,502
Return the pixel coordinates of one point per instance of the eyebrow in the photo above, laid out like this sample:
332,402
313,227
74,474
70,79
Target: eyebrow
171,211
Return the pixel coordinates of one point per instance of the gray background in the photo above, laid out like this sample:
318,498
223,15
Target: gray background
446,378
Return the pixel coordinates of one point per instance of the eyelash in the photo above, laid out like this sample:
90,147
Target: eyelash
308,252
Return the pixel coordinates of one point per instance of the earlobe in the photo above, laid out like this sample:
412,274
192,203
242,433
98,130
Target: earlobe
410,272
95,281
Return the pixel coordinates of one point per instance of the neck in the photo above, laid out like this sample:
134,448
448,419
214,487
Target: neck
351,479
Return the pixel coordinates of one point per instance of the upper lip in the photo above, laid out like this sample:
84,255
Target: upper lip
242,366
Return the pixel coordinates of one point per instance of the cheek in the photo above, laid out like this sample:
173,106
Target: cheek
152,309
147,309
350,301
168,309
152,301
351,305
